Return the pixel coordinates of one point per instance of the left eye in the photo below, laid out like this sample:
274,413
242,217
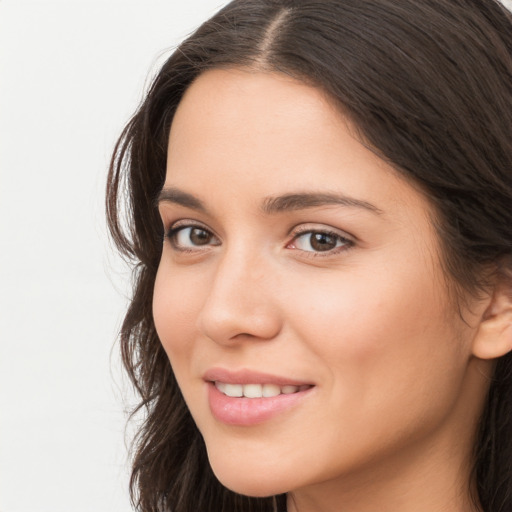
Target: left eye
319,241
191,236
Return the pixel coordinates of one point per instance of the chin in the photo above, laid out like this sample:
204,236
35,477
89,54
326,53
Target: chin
248,480
250,486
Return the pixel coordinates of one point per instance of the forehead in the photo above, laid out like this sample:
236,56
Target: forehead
249,106
272,132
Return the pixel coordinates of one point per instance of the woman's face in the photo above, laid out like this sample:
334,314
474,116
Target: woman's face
301,267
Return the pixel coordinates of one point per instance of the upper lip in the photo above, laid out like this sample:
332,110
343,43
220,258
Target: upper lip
247,376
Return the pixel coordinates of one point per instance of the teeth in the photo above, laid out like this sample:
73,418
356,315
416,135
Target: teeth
221,387
234,390
270,390
253,390
256,390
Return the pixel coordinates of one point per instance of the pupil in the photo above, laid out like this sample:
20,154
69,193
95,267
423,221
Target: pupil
199,236
322,241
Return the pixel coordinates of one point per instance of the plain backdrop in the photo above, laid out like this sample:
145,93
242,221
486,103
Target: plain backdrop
71,73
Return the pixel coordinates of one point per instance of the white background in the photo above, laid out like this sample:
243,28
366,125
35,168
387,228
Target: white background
71,73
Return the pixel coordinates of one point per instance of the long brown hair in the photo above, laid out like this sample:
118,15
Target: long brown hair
428,83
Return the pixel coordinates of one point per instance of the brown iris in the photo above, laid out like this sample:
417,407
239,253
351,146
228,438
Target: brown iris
322,241
200,236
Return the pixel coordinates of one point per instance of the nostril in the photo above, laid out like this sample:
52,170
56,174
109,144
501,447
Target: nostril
238,320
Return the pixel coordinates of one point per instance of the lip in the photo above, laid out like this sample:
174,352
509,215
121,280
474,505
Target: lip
247,376
245,411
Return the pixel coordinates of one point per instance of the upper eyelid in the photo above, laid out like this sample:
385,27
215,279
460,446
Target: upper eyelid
347,239
171,213
175,227
187,223
297,230
305,228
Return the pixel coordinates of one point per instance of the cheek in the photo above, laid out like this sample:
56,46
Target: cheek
176,300
357,315
384,335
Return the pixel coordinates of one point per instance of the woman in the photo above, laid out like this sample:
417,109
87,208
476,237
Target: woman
319,212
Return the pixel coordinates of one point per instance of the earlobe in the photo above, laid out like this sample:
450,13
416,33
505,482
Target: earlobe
494,336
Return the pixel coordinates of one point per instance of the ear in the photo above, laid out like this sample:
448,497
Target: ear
494,335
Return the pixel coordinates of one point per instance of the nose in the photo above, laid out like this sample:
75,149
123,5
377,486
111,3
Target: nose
241,303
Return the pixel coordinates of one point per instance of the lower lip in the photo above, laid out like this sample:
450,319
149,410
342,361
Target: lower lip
249,411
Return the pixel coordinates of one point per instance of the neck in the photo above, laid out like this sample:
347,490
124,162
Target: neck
422,487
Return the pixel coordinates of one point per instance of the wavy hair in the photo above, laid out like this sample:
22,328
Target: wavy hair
428,83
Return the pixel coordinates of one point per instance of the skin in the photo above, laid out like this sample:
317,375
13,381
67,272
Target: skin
390,422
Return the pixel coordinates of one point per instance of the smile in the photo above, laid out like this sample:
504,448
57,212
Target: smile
238,399
257,390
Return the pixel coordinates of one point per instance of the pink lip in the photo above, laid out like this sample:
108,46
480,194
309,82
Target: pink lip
250,411
246,376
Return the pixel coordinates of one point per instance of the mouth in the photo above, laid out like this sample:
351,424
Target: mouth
258,390
246,398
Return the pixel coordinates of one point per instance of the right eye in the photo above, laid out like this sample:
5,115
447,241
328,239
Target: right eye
186,238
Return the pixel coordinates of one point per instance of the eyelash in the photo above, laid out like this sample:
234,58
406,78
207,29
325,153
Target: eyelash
177,228
345,245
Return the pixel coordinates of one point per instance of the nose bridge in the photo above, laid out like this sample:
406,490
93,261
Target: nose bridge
240,301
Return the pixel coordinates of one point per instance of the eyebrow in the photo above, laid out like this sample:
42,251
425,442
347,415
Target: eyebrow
274,205
177,196
304,200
